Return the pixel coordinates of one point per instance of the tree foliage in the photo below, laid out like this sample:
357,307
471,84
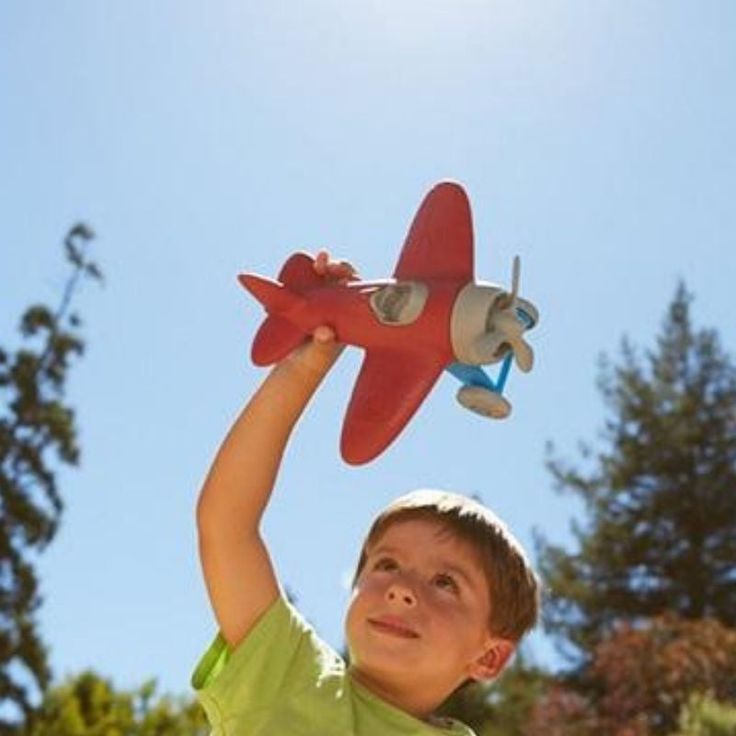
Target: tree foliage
659,497
653,670
645,680
37,432
89,705
704,716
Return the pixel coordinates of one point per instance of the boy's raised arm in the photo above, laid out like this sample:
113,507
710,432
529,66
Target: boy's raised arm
238,572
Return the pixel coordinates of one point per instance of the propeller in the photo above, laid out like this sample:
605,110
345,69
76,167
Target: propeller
505,328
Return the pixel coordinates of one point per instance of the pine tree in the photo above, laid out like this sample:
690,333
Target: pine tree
659,496
37,432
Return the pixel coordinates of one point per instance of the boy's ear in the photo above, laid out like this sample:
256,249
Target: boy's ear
493,660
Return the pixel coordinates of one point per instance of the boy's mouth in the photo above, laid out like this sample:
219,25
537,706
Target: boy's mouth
393,626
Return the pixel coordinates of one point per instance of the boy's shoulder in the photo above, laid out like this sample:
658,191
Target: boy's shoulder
282,643
283,678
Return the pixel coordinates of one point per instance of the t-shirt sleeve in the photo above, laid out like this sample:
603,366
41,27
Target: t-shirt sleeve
250,677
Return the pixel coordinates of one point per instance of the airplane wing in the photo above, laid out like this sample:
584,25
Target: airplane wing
391,386
440,240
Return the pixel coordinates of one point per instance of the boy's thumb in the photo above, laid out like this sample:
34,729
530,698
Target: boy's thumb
321,352
324,335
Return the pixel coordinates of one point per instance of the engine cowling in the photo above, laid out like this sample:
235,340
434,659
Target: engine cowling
487,323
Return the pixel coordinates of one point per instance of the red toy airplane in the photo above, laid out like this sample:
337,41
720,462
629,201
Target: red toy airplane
432,315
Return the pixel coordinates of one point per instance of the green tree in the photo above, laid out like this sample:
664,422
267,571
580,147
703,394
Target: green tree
705,716
89,705
659,496
37,432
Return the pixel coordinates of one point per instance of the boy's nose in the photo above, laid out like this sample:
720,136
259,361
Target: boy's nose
400,593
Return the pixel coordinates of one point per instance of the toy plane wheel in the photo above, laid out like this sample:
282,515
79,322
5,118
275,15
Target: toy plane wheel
483,401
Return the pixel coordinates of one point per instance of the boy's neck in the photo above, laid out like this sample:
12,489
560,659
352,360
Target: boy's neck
416,700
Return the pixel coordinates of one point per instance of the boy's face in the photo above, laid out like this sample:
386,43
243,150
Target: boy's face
419,615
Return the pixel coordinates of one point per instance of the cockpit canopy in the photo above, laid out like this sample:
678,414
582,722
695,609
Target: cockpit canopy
399,303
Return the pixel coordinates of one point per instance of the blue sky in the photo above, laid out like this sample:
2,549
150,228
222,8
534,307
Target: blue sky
596,140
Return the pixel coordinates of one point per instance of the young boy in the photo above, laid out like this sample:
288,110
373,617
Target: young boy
442,594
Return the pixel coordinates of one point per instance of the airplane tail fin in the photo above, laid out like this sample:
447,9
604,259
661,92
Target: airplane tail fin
298,273
277,336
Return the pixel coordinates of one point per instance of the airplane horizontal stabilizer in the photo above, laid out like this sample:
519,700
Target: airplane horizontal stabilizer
275,297
275,339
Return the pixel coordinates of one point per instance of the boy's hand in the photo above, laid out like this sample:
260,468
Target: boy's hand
321,352
340,271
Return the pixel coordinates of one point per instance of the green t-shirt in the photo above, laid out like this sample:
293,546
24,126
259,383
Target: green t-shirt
283,680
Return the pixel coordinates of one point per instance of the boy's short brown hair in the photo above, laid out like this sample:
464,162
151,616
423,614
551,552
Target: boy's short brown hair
512,584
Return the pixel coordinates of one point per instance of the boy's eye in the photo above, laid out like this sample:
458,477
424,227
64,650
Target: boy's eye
386,564
446,582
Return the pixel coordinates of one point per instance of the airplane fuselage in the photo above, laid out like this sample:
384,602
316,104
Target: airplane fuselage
347,309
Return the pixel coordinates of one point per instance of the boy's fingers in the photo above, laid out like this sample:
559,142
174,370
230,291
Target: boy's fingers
339,270
344,269
321,262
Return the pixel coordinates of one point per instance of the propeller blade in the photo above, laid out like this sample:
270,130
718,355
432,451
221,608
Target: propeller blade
523,354
515,276
508,298
512,329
